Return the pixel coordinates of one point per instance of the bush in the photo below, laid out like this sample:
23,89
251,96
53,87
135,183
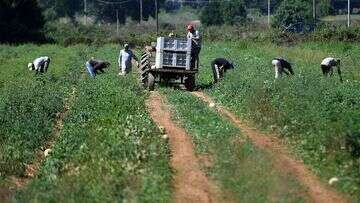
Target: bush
336,33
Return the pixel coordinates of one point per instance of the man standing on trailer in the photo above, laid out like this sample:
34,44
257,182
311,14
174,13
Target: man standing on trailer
219,67
40,65
125,59
327,67
195,37
281,66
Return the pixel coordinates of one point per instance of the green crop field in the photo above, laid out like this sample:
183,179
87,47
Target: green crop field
318,117
109,149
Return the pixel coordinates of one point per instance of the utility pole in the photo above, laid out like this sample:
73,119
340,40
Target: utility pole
141,10
269,12
85,12
117,22
157,16
348,16
314,10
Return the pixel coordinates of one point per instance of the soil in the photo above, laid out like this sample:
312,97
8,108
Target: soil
190,183
286,162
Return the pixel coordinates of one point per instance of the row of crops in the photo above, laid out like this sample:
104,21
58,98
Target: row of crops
29,104
318,117
108,149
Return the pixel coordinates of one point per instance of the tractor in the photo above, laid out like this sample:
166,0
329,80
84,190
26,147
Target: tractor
172,63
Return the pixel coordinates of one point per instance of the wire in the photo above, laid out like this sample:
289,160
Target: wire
113,2
195,1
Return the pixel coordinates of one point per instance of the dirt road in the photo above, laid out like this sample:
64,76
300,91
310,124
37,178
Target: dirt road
190,183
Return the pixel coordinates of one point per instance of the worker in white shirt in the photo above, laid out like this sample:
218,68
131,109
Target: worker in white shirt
40,65
281,66
195,37
327,67
125,59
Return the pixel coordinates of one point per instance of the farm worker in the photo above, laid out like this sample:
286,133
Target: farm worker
280,65
327,66
219,67
195,37
125,58
40,65
94,65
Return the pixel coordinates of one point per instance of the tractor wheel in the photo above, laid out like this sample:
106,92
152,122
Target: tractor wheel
151,81
144,68
190,83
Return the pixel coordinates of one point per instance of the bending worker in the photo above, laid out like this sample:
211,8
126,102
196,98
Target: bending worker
280,65
125,59
195,37
40,65
219,67
94,65
327,66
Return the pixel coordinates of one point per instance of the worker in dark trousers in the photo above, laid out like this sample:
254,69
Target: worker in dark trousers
327,67
195,37
95,66
219,67
281,66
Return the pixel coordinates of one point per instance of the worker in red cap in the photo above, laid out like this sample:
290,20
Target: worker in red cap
195,37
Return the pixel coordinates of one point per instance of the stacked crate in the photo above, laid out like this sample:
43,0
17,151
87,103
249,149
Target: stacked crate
173,53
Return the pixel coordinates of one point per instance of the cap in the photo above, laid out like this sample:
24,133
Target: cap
30,66
126,45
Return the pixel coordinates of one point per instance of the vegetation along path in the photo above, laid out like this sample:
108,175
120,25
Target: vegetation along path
191,184
33,168
317,191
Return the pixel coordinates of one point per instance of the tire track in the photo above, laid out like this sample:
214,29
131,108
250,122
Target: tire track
190,183
317,191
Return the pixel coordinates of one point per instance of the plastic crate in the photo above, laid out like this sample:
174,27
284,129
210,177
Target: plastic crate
173,53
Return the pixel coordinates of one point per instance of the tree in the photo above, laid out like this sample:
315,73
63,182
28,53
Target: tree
54,9
212,14
20,20
234,12
294,14
324,8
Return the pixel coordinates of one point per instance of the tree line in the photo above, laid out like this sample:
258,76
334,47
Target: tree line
24,19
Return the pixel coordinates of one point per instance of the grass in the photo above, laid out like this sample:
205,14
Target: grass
239,167
317,116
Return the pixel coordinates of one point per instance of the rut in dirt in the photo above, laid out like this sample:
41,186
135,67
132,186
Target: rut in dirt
190,183
316,190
